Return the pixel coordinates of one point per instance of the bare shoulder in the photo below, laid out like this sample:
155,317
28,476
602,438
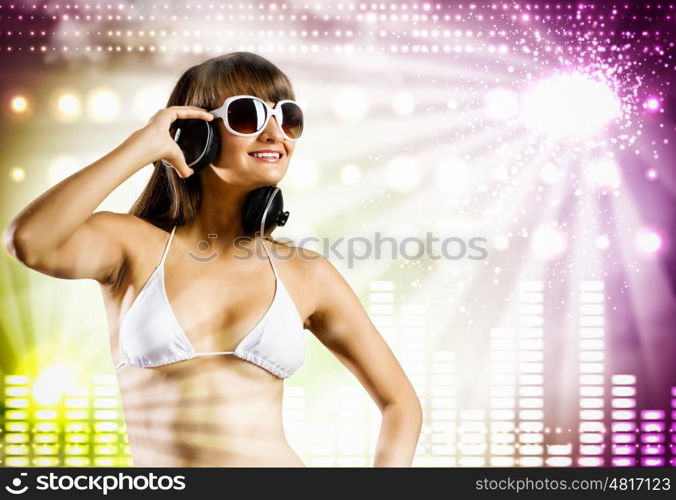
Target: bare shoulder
303,261
315,278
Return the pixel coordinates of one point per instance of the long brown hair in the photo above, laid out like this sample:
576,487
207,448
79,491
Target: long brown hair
167,199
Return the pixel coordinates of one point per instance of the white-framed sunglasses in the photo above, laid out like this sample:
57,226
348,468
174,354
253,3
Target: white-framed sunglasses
247,115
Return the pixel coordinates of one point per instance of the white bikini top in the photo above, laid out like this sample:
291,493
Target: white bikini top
151,336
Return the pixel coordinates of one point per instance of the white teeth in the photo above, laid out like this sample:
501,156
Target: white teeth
266,155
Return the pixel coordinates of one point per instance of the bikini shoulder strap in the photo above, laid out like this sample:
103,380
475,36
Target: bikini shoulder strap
166,247
274,269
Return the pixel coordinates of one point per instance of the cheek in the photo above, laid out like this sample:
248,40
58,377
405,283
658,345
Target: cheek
231,148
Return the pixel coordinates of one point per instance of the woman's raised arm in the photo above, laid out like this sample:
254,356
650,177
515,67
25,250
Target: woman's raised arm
58,233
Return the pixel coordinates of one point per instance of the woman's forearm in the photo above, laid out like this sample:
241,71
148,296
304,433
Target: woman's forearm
55,215
399,434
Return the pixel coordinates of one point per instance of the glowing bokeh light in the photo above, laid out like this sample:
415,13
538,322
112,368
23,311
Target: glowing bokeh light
647,241
68,106
500,242
403,173
452,104
403,103
17,174
602,242
548,243
350,103
350,173
103,105
651,104
19,104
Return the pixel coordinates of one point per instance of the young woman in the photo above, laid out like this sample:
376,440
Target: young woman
201,346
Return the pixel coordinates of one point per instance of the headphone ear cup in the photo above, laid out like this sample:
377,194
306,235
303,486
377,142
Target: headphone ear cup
266,201
198,139
211,148
254,206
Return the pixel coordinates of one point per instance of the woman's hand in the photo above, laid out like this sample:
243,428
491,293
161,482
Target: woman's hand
157,140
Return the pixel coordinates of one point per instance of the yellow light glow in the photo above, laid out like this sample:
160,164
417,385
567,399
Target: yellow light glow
17,174
103,105
19,104
51,383
68,105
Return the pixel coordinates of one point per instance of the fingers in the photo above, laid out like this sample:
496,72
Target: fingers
183,170
183,112
178,162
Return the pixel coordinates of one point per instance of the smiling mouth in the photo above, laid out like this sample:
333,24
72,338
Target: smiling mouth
268,159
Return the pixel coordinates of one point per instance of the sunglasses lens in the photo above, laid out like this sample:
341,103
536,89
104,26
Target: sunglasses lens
292,120
246,115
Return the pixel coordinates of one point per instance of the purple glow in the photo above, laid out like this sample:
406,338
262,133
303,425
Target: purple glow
623,414
652,426
652,438
623,427
653,449
624,461
652,462
652,414
648,241
624,449
651,104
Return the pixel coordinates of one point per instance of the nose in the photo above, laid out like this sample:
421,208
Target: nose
272,131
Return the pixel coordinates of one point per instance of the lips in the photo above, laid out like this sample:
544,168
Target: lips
280,153
267,159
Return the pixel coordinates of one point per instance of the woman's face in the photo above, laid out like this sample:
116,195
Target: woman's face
234,164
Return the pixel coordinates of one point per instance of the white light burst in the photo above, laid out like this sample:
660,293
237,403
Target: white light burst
569,105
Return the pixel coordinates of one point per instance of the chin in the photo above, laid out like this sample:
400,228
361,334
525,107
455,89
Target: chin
273,175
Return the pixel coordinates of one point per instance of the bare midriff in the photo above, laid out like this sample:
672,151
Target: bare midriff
209,411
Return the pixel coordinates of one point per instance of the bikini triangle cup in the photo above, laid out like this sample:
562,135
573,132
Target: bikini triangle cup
150,334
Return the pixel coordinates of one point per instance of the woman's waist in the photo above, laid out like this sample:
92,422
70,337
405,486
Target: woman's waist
190,441
218,413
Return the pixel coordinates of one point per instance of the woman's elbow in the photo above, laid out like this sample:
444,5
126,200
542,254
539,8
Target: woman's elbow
408,407
416,411
17,243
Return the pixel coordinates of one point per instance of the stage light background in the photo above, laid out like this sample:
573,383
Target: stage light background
546,128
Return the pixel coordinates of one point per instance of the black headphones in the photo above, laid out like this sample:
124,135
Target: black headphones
199,141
